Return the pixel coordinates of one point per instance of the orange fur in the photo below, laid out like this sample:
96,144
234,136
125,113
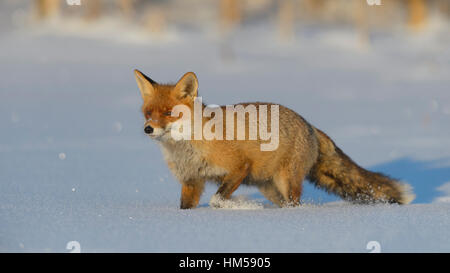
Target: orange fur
303,151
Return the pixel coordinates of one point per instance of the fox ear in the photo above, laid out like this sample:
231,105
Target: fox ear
187,86
145,84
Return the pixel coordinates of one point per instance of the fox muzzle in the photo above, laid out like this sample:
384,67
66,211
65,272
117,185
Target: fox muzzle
148,129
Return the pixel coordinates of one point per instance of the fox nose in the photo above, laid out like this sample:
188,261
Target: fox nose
148,130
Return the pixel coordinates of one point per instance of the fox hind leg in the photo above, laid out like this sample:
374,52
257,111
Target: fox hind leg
270,191
289,184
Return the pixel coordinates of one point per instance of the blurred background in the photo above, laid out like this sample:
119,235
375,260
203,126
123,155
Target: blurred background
376,78
160,17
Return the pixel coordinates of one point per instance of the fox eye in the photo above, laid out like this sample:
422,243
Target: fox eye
168,113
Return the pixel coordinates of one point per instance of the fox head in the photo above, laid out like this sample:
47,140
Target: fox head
160,99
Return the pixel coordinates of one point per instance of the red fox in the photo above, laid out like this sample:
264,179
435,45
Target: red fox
302,151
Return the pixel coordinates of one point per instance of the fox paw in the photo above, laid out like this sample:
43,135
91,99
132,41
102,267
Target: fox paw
239,202
217,201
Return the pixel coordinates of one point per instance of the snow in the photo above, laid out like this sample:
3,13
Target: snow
445,189
75,164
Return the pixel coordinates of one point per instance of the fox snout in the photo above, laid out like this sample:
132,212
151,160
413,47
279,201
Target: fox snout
155,130
148,129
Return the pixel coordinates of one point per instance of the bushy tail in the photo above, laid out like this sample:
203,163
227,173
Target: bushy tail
337,173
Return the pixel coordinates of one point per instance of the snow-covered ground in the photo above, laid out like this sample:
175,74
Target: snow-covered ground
75,164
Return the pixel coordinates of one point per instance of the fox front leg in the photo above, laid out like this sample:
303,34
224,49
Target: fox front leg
191,192
229,184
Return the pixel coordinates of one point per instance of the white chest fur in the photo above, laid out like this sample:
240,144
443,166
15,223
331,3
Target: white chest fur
187,162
